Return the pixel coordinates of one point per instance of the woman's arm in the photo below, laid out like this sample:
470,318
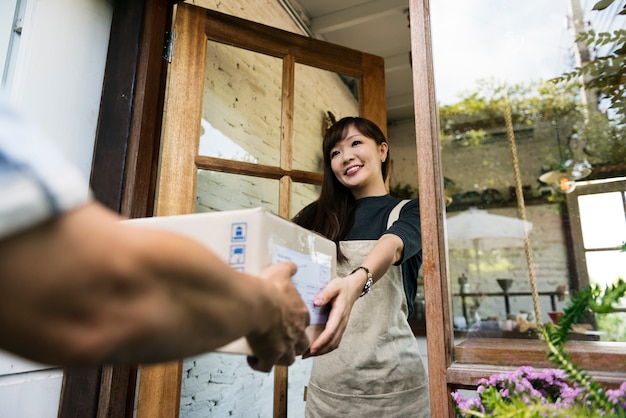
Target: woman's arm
342,292
85,288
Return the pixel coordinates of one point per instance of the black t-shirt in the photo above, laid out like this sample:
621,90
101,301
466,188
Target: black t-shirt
370,223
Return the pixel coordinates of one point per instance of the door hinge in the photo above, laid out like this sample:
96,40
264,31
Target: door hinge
168,46
18,25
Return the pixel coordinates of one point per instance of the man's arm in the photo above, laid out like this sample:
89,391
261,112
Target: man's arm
85,288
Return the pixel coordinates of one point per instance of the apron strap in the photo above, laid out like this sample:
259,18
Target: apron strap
395,212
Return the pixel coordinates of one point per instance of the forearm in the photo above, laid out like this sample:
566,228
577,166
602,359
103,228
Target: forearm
94,290
386,252
228,306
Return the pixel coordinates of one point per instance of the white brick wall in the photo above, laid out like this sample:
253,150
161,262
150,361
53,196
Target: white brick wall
223,385
477,167
491,167
403,152
550,261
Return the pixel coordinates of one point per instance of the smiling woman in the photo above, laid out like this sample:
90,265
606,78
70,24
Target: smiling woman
367,361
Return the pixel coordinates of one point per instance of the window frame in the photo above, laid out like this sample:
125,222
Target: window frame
583,189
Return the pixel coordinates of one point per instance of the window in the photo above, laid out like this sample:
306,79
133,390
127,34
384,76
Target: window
600,234
475,168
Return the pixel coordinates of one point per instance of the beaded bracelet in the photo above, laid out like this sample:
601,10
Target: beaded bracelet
368,284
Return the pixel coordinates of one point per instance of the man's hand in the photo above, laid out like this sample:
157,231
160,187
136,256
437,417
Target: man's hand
287,318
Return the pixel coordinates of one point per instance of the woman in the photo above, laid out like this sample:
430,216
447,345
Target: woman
377,369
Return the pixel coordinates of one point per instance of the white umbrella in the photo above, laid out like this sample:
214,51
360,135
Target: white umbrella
478,229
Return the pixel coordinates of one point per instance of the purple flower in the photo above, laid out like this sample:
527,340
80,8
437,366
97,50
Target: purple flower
464,405
617,396
548,387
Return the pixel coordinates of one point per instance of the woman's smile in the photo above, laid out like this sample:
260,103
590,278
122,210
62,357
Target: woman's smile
352,170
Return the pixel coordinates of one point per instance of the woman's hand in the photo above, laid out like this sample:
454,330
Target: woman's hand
341,293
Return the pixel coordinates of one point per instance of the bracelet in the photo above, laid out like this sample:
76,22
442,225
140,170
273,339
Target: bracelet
368,284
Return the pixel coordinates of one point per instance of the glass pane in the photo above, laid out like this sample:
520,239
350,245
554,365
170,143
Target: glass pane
221,191
301,195
605,267
502,66
602,219
318,92
241,108
487,254
603,223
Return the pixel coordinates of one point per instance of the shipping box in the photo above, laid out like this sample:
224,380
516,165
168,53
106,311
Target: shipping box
251,239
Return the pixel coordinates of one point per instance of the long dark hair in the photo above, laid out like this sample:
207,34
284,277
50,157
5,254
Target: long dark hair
332,214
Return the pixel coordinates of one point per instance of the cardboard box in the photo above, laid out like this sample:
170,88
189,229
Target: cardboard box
251,239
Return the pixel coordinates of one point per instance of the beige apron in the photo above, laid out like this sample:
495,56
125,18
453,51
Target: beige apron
377,370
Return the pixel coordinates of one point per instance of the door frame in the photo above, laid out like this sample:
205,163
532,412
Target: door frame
123,175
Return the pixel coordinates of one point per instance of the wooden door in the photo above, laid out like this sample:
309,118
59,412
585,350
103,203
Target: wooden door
196,104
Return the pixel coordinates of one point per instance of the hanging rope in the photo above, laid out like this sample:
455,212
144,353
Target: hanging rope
508,118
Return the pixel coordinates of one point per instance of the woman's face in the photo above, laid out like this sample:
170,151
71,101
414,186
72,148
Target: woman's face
356,161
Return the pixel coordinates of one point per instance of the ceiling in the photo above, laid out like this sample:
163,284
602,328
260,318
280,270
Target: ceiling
378,27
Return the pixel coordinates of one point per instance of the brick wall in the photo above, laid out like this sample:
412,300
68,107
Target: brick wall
475,168
550,266
480,167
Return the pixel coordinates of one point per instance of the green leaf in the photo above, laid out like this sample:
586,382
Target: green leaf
602,4
621,50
